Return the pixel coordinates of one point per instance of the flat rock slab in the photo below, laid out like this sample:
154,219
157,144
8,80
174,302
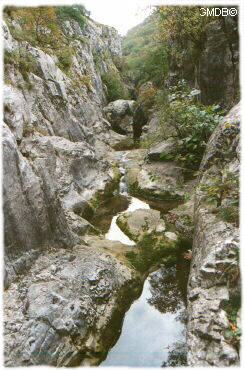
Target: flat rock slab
163,147
140,221
114,247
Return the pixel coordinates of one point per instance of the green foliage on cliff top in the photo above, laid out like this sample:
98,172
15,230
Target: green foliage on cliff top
43,27
170,33
21,59
144,53
76,12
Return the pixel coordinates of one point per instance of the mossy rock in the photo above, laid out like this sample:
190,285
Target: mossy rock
135,224
152,251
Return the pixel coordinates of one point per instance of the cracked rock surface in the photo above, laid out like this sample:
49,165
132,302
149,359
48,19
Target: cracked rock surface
214,260
66,310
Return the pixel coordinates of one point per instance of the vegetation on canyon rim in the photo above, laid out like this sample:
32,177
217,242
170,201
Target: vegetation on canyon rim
44,27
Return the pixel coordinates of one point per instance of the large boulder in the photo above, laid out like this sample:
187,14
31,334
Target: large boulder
68,310
120,114
214,281
136,223
159,180
143,111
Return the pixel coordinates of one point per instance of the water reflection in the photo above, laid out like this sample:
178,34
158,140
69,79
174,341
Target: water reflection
177,355
115,232
148,335
165,293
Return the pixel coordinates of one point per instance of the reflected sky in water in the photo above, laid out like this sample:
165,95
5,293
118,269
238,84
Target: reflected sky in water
147,335
114,232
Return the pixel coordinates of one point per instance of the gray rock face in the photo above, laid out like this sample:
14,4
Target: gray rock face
216,70
64,298
55,142
120,114
151,127
65,312
214,279
159,180
221,48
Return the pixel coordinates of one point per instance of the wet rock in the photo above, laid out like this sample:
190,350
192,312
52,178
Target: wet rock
140,221
121,142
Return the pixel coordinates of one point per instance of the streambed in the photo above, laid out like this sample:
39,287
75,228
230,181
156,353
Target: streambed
153,331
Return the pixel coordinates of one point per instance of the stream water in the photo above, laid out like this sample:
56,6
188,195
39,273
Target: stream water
152,330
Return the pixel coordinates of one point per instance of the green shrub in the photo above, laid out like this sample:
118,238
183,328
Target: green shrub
192,122
65,58
86,81
21,59
75,12
223,186
41,27
115,87
229,214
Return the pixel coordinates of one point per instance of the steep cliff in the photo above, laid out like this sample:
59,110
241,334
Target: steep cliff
55,139
214,281
214,66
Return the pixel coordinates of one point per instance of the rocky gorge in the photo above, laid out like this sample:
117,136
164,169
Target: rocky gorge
72,171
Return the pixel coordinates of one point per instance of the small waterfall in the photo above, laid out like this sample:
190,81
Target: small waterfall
123,189
115,233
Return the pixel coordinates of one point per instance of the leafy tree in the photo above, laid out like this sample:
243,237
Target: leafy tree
40,23
181,24
189,121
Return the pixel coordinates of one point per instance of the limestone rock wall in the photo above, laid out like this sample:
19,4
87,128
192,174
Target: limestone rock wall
214,281
55,141
215,69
